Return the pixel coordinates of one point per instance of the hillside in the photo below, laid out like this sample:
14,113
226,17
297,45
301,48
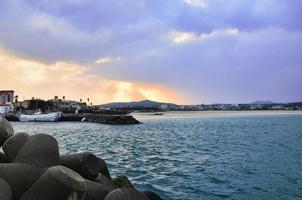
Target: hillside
144,103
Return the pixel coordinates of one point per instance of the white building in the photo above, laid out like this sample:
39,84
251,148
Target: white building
164,107
6,101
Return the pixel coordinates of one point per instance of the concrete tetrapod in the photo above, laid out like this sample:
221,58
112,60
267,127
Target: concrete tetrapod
103,168
95,191
20,177
86,164
14,144
126,194
40,150
5,191
3,158
6,130
107,184
152,195
59,183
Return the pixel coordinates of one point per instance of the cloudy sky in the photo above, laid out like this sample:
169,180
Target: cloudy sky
182,51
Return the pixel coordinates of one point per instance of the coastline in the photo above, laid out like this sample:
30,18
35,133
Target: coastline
243,111
218,113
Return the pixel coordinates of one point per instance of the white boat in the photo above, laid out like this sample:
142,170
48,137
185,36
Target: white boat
40,117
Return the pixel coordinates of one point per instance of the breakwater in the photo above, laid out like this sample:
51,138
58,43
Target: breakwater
31,167
100,118
89,117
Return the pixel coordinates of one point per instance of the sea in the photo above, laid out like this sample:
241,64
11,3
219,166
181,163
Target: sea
195,155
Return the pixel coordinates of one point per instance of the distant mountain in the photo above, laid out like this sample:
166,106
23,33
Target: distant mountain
263,102
144,103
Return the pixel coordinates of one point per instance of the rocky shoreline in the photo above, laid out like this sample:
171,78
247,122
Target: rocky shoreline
89,117
31,168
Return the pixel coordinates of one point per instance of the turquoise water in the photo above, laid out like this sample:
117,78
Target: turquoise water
242,156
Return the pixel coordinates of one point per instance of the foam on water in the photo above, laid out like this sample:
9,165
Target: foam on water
198,157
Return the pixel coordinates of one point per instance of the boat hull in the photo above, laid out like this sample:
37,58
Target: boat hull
50,117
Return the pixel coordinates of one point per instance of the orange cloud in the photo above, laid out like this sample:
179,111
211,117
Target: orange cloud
31,78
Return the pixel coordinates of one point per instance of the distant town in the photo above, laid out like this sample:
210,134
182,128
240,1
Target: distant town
157,106
9,103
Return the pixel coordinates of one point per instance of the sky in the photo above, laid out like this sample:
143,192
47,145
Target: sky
181,51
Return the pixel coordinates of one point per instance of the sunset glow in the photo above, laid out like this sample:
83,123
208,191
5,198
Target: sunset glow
31,78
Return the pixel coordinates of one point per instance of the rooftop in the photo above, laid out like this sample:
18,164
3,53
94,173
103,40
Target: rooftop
2,91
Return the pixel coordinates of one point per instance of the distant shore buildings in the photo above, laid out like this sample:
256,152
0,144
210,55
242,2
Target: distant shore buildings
6,101
10,103
68,105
